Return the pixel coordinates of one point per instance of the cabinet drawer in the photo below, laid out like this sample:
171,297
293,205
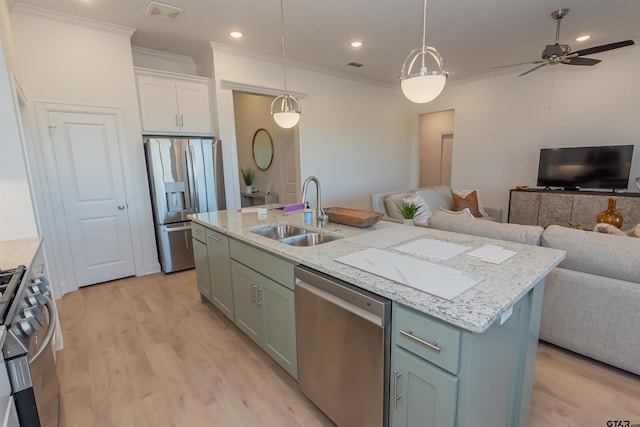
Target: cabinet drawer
268,265
198,232
426,337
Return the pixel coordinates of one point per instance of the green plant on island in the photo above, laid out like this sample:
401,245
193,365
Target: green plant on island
248,175
408,210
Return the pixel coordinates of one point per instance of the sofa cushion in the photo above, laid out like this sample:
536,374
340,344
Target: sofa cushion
432,198
606,255
529,234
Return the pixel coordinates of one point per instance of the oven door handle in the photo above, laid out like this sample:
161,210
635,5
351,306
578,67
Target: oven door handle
53,319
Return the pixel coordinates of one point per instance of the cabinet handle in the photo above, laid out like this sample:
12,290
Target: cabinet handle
177,125
260,301
396,396
181,120
217,239
254,293
430,346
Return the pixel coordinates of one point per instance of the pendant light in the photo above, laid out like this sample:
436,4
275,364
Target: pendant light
285,109
419,84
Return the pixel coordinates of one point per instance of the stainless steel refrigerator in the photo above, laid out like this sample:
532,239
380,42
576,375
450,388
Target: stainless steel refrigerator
185,177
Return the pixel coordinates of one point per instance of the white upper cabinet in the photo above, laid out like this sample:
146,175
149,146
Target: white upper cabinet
173,103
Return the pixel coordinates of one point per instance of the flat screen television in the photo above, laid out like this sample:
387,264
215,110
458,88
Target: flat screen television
605,167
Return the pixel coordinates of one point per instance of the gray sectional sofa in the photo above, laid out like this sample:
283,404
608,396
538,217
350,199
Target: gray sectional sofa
592,299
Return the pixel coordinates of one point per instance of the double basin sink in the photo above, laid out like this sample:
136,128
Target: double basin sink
293,235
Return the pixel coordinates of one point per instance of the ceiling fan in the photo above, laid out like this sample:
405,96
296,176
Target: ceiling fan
561,53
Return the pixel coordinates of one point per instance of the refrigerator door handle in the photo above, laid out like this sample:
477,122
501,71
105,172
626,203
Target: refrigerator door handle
190,178
194,173
173,229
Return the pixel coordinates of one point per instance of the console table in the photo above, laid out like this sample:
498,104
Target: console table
255,199
535,206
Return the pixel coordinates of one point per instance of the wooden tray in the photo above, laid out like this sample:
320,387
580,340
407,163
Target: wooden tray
353,217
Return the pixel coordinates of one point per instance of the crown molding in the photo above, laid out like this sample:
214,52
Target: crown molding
72,19
165,74
163,55
301,65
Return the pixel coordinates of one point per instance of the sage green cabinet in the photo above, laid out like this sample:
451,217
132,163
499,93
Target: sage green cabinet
201,260
425,396
245,292
202,268
220,272
445,376
265,308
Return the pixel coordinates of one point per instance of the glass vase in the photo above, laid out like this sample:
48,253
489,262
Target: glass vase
611,215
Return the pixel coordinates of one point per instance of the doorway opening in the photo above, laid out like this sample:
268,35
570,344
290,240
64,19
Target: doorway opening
436,148
275,181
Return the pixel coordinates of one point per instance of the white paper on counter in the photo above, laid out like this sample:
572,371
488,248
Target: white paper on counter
438,280
492,253
389,236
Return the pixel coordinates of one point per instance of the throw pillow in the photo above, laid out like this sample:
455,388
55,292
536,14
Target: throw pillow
465,193
470,202
391,203
423,214
463,213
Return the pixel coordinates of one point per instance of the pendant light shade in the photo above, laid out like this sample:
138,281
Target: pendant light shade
419,83
285,109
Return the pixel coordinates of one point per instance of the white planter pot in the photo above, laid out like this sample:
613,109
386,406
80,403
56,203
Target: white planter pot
248,189
411,221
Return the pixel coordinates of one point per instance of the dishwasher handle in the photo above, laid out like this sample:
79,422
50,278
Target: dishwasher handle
357,311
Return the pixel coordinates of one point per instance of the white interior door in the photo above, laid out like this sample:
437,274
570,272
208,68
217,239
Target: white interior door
88,163
290,166
446,158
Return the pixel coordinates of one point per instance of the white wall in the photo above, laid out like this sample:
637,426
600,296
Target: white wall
19,221
72,61
501,121
354,136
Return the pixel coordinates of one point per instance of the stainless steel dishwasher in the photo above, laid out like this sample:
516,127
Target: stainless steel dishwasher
343,349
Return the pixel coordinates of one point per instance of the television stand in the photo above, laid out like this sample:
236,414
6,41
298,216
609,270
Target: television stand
544,207
571,188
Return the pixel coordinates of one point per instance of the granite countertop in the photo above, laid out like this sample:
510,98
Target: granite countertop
18,252
474,310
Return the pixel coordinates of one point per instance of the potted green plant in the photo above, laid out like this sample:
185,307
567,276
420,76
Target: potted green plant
248,175
408,210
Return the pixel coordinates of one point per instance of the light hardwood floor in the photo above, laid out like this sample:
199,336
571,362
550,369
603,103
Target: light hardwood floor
145,352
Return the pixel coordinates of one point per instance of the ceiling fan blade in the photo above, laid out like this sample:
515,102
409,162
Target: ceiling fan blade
581,61
602,48
521,63
533,69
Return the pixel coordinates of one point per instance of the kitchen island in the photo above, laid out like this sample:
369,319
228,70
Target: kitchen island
482,373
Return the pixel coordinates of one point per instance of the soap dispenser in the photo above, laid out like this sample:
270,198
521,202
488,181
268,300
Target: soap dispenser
308,214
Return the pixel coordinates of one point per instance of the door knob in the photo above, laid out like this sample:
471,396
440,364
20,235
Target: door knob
121,207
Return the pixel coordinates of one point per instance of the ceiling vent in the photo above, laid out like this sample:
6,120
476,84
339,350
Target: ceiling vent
355,64
163,11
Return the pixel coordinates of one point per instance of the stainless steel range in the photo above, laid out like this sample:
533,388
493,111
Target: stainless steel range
28,317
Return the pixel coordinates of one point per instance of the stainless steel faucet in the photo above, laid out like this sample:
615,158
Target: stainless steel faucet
320,217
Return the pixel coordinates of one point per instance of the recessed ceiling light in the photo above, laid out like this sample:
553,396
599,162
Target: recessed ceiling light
235,34
583,38
356,44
